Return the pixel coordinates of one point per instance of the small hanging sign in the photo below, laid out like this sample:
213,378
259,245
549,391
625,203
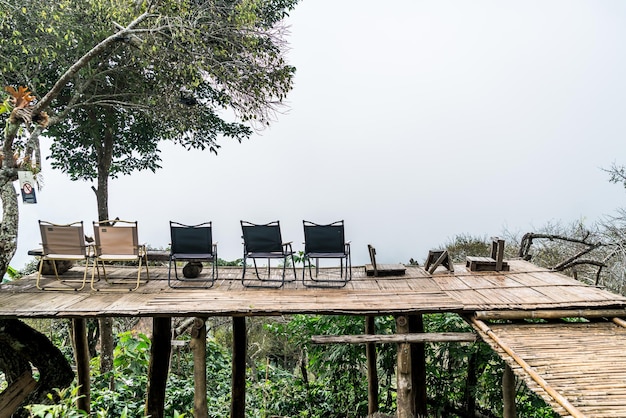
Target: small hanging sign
27,185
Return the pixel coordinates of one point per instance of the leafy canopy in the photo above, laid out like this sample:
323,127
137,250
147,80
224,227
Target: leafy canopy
145,71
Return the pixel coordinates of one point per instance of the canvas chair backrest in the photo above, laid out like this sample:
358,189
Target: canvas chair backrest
120,239
191,239
324,238
63,239
262,238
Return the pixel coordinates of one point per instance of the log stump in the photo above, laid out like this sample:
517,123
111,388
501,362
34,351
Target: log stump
192,269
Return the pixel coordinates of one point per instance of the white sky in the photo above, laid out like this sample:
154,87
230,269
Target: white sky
414,121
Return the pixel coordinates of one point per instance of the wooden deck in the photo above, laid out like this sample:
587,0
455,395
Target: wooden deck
524,287
584,363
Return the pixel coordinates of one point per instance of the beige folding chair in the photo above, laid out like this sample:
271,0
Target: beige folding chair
63,243
117,241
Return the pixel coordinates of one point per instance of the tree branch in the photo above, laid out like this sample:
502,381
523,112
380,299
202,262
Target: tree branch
84,60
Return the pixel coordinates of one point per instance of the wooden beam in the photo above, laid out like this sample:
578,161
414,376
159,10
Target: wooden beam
425,337
13,396
198,345
238,398
550,314
372,370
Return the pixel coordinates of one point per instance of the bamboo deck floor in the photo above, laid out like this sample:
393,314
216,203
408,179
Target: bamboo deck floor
524,287
584,362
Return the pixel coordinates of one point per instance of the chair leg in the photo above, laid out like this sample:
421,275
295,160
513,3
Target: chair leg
82,282
39,275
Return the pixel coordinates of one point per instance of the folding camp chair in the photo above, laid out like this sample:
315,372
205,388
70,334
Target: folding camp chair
192,243
326,242
265,241
117,241
63,243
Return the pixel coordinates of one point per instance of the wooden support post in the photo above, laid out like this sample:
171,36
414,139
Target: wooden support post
159,366
508,393
372,371
405,396
418,368
81,353
238,399
198,345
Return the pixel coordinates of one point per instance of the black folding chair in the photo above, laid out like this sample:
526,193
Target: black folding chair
265,241
194,244
326,242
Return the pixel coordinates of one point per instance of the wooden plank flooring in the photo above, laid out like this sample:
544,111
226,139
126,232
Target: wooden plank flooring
525,287
586,363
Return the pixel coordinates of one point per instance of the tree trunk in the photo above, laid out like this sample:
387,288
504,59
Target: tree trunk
10,218
107,345
81,352
105,156
21,345
198,345
159,366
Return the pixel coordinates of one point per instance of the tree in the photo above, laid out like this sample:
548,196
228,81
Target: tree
132,74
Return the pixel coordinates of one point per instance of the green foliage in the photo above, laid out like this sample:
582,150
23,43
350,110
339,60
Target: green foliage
63,408
290,376
464,245
234,263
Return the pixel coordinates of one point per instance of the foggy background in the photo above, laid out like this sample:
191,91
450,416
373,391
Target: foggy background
413,121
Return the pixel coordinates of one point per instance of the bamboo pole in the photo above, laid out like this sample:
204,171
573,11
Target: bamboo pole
573,411
410,338
405,395
372,371
620,322
549,314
